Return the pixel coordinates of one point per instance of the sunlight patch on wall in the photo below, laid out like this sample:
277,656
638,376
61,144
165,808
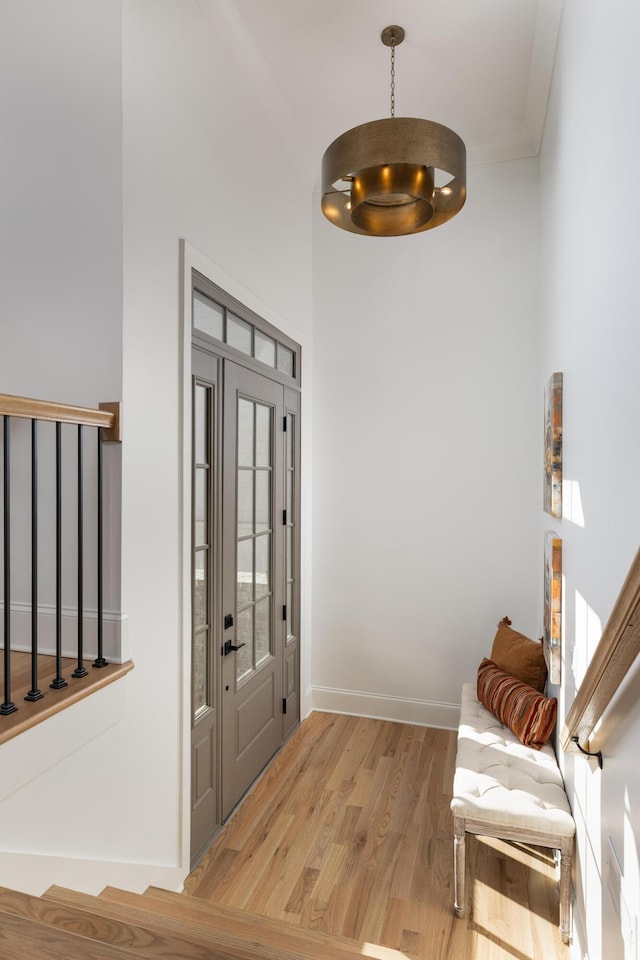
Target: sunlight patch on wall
572,502
588,630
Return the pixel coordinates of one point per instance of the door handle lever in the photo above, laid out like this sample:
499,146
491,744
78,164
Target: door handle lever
228,647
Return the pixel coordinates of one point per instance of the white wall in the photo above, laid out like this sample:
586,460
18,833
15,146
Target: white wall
203,132
61,223
590,302
61,244
427,460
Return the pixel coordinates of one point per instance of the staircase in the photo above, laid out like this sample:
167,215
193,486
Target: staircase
117,925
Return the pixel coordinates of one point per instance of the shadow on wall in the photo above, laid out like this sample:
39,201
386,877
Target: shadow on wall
623,713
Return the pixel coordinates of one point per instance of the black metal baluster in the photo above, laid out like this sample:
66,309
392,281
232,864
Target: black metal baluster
7,707
80,670
34,693
100,660
59,681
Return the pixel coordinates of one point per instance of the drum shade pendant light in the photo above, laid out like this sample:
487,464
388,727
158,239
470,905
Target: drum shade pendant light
393,177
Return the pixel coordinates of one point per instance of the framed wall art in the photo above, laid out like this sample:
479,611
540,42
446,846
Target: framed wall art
552,638
552,499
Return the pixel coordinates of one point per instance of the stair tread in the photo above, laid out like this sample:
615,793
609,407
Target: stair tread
203,908
245,935
22,939
109,930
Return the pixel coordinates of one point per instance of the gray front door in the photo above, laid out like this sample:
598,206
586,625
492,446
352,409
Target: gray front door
245,582
253,588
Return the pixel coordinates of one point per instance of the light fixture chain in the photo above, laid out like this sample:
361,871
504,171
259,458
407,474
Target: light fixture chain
393,80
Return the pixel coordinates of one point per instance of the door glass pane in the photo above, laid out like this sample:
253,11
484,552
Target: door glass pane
265,348
200,671
285,359
245,432
208,316
263,500
200,507
289,608
245,573
289,502
263,435
245,503
244,635
200,589
263,565
263,630
200,402
238,333
290,440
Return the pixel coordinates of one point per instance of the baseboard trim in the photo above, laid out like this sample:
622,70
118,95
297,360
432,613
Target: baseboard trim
115,631
425,713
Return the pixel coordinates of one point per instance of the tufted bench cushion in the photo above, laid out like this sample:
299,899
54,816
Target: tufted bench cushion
504,789
499,780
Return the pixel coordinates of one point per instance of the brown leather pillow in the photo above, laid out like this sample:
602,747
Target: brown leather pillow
518,655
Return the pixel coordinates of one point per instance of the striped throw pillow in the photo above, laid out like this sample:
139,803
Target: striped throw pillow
529,714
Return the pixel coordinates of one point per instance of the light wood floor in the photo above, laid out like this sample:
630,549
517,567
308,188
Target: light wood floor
349,832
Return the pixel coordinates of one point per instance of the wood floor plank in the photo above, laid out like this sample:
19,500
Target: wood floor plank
22,939
351,833
359,737
89,923
299,872
262,851
394,921
330,872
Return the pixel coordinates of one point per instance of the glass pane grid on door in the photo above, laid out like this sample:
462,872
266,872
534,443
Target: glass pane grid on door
290,539
254,541
201,612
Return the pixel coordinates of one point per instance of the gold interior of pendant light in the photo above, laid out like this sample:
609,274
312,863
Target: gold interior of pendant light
379,179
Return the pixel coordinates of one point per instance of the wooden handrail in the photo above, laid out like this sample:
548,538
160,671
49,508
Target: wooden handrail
615,653
108,415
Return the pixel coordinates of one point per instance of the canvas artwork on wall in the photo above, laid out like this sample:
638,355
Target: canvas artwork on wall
553,446
553,605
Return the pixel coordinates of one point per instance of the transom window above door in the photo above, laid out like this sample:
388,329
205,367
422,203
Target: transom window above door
225,320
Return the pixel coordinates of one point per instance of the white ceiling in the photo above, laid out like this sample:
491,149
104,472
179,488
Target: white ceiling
481,67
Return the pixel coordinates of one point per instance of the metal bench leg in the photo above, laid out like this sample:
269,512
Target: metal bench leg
458,865
566,861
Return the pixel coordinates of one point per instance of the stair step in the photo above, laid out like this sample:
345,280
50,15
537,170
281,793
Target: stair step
109,930
315,940
22,939
240,935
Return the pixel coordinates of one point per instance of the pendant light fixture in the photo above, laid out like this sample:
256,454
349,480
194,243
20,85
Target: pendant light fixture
393,177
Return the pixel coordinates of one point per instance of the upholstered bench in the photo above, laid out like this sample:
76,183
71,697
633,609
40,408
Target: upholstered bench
507,790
